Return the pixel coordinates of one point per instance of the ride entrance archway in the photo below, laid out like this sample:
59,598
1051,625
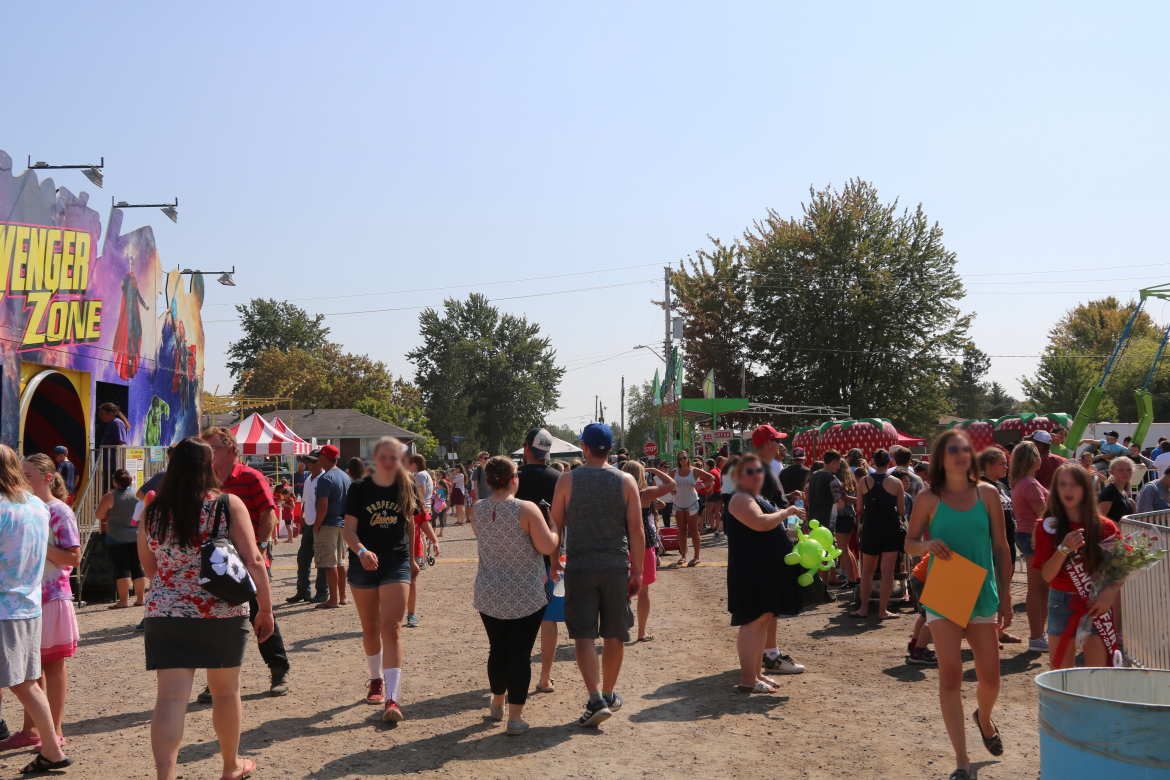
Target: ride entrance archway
54,406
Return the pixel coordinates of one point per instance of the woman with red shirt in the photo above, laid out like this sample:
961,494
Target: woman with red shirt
1072,531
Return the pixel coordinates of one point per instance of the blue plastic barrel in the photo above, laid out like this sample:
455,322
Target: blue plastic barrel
1105,723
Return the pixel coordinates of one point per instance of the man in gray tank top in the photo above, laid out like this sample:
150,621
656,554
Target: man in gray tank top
599,510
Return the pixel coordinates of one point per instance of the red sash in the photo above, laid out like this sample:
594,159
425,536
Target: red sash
1075,565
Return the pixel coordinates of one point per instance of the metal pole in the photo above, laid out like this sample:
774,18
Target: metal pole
668,394
623,413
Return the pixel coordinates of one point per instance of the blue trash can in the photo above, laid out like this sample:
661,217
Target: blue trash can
1103,723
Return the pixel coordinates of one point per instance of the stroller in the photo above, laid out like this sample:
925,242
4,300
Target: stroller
901,591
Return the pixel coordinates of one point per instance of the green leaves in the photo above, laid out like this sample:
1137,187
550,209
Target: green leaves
483,375
269,323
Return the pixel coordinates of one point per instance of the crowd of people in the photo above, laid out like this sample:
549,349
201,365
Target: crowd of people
574,543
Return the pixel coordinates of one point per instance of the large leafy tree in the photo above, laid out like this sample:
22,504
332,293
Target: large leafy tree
268,323
1000,403
641,416
852,302
1079,346
484,375
329,378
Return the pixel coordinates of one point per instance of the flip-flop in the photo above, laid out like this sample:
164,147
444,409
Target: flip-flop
892,616
248,770
694,562
859,617
323,605
1009,639
118,606
768,680
759,687
647,638
550,689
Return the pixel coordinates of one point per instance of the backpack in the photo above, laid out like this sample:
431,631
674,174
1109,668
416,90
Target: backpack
222,572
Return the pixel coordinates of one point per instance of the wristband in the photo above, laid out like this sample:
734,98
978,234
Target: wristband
359,552
1063,549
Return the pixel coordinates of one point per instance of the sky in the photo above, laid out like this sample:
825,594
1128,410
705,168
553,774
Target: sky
367,160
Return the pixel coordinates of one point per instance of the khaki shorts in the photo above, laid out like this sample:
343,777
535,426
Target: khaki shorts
329,547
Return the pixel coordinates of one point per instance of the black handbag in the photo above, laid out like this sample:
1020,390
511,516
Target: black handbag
222,572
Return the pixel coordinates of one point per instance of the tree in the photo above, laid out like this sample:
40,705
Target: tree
1079,347
1000,403
563,432
484,375
405,410
641,416
849,303
268,323
968,392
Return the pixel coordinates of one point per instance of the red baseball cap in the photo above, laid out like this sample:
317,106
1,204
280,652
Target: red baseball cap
331,452
765,434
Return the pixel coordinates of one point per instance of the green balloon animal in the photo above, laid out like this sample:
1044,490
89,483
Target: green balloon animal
815,551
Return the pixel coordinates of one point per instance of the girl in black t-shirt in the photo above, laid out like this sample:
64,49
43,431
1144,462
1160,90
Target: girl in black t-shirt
379,525
1113,501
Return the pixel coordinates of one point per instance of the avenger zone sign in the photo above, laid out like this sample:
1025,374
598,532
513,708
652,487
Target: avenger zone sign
49,267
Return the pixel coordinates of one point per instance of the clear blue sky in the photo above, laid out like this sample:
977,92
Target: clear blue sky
337,149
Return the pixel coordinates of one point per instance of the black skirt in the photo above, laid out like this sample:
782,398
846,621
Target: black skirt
758,579
195,643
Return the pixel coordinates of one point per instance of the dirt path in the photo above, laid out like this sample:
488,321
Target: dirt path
858,712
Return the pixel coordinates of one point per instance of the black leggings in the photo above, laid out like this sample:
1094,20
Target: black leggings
125,560
509,659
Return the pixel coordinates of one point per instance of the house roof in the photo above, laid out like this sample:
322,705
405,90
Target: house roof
339,424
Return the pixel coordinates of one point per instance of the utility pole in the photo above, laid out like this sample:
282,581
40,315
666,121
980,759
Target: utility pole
623,445
668,395
595,417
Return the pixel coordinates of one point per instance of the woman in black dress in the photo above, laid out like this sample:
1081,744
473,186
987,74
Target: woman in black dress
760,586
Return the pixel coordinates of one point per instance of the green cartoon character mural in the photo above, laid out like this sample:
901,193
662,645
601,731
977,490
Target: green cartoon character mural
158,410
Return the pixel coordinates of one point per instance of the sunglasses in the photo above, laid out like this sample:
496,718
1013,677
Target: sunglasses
955,449
751,472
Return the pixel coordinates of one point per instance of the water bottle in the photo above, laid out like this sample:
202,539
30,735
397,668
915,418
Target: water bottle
559,587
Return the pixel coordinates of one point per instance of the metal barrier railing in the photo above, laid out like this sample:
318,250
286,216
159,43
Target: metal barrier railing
1145,599
103,462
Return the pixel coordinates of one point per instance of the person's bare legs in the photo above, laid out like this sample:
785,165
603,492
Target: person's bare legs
170,711
331,576
54,681
770,636
612,653
548,651
983,639
586,652
643,610
886,587
921,635
696,538
868,567
33,699
393,602
948,638
412,596
1037,601
749,644
847,559
680,523
226,714
369,609
123,588
341,584
139,592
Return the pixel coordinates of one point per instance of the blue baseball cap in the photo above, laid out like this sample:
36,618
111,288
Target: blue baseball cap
597,436
61,450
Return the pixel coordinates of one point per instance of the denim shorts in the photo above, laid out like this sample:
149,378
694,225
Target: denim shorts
1024,543
1060,611
387,573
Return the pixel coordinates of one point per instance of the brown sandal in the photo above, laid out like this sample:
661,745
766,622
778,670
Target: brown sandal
994,743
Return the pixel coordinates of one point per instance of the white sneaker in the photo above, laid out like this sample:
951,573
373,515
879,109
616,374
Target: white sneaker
1039,645
783,664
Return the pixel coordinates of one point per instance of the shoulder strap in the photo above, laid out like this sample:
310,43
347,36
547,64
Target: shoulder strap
221,504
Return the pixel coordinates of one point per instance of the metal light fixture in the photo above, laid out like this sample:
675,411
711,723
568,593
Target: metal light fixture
170,209
644,346
225,277
91,172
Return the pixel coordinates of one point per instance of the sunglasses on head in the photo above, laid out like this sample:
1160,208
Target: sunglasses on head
955,449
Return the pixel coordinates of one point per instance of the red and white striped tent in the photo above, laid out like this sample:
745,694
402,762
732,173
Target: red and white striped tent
257,436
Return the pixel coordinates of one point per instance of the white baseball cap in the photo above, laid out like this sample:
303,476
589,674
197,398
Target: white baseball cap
540,441
1044,437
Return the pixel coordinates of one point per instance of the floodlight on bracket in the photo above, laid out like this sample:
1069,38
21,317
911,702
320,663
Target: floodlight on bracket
92,172
170,209
225,277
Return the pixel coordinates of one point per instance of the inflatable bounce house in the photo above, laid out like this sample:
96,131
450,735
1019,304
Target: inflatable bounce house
983,432
868,434
88,319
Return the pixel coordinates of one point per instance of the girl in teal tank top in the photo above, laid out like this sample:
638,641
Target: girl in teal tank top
978,534
969,534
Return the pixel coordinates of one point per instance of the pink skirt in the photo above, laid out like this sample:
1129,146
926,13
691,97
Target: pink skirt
59,633
649,566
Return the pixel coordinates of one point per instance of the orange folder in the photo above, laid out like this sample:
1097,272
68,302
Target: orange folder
952,587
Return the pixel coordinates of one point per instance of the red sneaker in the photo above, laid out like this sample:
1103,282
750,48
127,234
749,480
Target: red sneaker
391,714
376,694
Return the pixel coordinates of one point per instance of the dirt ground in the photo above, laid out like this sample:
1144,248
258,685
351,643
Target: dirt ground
859,711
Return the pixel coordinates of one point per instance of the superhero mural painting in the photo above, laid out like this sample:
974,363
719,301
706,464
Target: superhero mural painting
128,336
58,300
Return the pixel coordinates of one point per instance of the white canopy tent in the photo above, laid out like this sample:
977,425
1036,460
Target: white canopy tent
560,449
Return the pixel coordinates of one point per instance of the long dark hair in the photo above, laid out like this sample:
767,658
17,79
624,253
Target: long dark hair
114,409
355,468
1090,515
175,512
936,474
